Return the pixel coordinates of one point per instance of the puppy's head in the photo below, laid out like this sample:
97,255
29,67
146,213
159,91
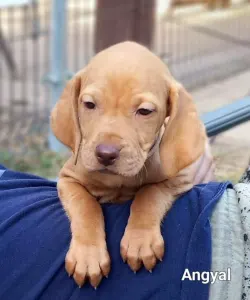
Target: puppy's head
112,112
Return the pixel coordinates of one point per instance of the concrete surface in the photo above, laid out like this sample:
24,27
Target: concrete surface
232,148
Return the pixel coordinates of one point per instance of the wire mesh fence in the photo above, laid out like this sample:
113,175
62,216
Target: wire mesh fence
206,48
24,100
199,47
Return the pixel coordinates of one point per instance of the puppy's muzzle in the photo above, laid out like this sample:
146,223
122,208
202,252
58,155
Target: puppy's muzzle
107,154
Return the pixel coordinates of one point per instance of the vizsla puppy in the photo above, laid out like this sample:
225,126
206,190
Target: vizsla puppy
134,132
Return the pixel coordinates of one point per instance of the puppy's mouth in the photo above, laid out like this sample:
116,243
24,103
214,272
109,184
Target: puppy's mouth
107,171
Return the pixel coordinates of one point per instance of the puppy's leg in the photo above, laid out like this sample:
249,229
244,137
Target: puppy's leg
87,255
142,241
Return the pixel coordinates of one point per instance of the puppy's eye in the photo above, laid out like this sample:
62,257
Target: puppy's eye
89,105
144,111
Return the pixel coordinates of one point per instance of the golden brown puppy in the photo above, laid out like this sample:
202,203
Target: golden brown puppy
134,132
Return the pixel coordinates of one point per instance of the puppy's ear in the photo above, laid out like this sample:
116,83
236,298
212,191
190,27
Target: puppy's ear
184,137
64,117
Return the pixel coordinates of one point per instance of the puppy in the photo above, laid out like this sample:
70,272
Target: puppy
134,132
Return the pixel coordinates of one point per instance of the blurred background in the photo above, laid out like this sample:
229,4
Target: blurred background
205,43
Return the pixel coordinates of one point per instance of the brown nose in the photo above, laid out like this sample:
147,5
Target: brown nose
106,154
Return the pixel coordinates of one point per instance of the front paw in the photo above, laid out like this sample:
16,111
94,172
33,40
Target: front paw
90,261
142,246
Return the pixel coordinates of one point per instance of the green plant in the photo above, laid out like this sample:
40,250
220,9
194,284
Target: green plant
43,163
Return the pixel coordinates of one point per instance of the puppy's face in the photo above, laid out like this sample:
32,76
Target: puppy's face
111,114
120,116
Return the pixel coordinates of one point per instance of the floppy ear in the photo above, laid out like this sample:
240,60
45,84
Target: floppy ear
64,117
184,137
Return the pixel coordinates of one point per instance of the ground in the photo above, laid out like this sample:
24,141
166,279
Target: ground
232,148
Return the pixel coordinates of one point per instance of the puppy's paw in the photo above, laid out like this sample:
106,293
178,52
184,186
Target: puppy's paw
142,246
87,261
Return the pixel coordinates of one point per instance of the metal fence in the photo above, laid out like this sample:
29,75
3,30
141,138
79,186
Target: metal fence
205,49
199,47
24,99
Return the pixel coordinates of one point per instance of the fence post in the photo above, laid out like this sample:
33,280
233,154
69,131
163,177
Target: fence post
132,19
57,76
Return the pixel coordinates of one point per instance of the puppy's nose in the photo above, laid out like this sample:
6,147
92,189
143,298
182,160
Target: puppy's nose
107,154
